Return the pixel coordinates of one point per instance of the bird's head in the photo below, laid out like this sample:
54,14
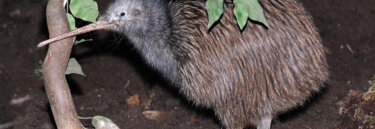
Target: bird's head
135,16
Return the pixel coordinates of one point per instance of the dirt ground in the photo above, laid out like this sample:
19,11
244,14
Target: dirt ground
116,73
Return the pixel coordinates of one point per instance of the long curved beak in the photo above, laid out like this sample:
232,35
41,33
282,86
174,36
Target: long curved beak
101,24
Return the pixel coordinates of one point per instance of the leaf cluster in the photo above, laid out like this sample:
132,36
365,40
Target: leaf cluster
86,10
243,10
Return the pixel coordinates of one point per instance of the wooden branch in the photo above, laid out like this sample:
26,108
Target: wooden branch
54,67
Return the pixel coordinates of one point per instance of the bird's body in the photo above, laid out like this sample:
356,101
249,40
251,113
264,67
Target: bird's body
247,77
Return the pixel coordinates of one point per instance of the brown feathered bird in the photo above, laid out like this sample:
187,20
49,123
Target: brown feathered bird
247,77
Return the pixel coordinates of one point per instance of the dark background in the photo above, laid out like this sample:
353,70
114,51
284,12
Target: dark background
109,66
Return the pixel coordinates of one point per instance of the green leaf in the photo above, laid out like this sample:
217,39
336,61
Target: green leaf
241,13
342,46
72,22
74,67
95,120
214,11
38,71
256,12
84,9
248,9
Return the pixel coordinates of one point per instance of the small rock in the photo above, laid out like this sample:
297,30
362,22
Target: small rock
106,125
153,115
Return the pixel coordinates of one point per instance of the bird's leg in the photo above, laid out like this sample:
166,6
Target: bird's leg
265,123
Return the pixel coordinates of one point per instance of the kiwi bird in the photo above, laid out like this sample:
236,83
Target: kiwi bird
247,77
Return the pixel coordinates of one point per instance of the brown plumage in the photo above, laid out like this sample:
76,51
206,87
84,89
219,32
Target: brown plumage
247,77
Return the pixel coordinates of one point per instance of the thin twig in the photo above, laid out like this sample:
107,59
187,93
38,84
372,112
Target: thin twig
349,48
127,84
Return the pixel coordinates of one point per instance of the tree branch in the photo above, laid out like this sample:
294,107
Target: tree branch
54,67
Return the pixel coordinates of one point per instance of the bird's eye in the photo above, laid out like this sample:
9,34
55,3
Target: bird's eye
122,14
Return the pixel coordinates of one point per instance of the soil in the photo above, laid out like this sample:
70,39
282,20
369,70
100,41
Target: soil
116,75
